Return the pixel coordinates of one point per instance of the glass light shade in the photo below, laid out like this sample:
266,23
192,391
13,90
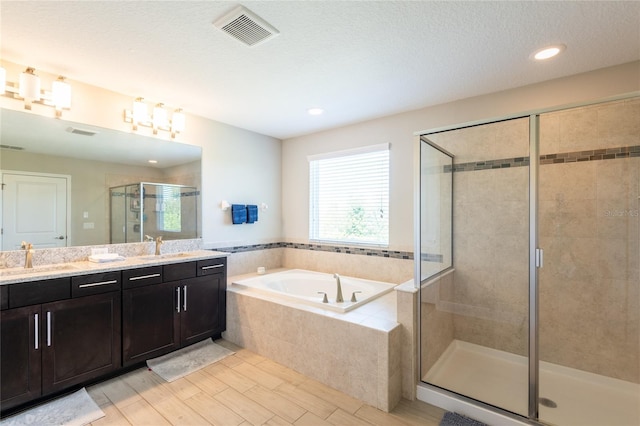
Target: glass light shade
159,116
140,114
29,85
178,121
3,80
61,94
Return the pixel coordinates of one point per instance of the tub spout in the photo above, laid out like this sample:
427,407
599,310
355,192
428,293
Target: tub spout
339,298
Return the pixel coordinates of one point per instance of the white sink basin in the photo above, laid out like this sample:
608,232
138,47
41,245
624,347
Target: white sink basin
36,270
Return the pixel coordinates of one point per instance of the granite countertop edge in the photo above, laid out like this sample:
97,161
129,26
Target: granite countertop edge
85,267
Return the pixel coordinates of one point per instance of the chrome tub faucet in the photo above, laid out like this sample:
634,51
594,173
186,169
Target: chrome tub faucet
339,298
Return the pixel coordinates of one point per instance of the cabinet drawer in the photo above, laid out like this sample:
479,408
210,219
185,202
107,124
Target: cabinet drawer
33,293
142,276
212,266
86,285
179,271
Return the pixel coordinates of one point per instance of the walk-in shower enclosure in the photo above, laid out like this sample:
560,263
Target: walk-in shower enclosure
528,263
154,209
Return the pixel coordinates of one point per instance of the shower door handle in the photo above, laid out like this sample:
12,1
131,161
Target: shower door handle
539,258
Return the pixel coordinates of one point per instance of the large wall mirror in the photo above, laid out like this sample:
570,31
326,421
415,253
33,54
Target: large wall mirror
65,170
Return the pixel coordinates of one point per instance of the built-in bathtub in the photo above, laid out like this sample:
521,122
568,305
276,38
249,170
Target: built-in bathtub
309,288
356,352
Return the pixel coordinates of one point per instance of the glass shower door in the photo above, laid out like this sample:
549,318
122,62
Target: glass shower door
589,285
474,315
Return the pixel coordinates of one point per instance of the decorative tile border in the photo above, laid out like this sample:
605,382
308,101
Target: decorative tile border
592,155
488,165
364,251
563,157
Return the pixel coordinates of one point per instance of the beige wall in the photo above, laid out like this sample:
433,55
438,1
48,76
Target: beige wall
399,131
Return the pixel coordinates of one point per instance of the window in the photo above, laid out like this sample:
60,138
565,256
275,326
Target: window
169,209
349,196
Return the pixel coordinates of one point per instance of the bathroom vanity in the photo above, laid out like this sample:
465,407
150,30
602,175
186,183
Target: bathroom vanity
76,324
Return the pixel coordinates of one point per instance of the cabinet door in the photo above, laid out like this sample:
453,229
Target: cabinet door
151,324
81,340
202,314
20,350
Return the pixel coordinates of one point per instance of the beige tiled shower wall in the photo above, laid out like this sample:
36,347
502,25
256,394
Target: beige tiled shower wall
489,295
590,283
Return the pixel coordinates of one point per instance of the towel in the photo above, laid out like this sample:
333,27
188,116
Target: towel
252,213
238,213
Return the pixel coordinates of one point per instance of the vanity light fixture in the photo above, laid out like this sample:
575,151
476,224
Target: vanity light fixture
28,89
159,120
61,95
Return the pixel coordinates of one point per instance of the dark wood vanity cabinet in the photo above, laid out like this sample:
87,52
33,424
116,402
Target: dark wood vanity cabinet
20,356
82,341
185,305
62,332
58,340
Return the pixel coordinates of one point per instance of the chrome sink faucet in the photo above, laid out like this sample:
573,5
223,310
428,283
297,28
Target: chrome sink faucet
339,298
158,241
28,258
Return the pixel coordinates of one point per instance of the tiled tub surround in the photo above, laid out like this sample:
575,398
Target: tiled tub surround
357,352
372,264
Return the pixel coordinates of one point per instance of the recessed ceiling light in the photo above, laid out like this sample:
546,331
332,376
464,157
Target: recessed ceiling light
548,52
153,161
315,111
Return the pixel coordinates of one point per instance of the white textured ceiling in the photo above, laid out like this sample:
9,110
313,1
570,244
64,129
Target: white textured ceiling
356,59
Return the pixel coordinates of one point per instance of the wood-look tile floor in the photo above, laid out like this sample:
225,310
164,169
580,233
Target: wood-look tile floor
243,389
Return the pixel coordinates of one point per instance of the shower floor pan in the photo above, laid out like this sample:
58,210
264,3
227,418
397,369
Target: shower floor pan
500,378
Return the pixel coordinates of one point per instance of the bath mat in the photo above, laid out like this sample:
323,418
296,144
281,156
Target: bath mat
455,419
187,360
74,410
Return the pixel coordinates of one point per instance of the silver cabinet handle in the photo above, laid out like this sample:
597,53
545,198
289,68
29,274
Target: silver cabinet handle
204,268
48,328
97,284
144,277
178,306
61,237
36,327
184,303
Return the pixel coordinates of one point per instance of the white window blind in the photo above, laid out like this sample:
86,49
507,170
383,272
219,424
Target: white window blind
349,196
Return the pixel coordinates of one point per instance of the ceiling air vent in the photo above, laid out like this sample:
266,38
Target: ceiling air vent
246,26
82,132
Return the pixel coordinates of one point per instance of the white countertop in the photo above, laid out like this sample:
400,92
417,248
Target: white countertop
59,270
